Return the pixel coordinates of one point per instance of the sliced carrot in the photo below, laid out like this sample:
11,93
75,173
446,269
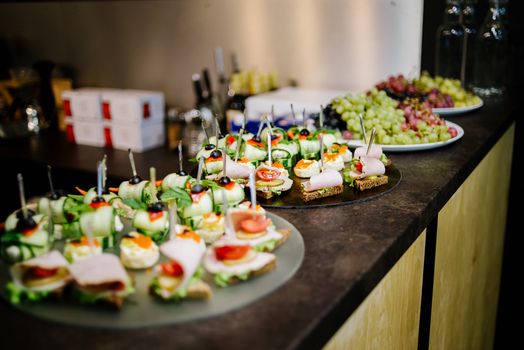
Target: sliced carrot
158,183
81,191
113,189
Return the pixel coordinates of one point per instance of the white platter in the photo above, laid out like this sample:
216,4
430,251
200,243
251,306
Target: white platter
415,147
457,110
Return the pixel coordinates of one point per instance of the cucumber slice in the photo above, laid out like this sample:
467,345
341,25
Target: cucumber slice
40,238
42,206
92,193
129,191
309,146
100,222
141,221
272,183
173,180
57,210
221,142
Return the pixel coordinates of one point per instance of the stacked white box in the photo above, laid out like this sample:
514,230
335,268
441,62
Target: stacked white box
136,118
83,111
121,119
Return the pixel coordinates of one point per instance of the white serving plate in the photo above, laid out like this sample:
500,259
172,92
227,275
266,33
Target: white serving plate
415,147
457,110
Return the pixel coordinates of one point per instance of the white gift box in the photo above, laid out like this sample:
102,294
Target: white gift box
138,137
133,106
84,102
89,131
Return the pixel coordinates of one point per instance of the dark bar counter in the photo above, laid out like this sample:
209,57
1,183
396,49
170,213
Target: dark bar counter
349,249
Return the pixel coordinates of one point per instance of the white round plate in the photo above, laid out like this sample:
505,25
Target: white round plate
415,147
457,110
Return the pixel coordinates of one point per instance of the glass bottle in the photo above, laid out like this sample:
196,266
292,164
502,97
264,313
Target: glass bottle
450,57
491,52
470,28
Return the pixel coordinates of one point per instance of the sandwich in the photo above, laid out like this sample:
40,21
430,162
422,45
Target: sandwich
231,261
375,151
305,168
181,276
366,173
254,228
80,248
333,161
39,278
325,184
101,279
234,192
138,251
271,181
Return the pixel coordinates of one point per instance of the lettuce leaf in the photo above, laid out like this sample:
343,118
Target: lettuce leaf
181,196
267,246
222,279
18,295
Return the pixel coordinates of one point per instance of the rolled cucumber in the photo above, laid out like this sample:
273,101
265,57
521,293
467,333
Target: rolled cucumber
130,191
214,167
204,206
172,181
100,222
233,196
142,222
58,208
92,193
254,154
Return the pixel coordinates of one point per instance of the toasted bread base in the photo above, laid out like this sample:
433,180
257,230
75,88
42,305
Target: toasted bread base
265,194
200,290
324,192
366,184
285,236
265,269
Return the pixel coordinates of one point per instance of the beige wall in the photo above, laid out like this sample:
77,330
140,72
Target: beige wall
158,44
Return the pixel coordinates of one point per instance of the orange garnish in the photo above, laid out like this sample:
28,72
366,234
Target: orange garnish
243,160
330,157
278,165
142,241
113,189
254,143
29,231
96,205
276,140
304,163
84,241
158,183
189,235
210,159
81,191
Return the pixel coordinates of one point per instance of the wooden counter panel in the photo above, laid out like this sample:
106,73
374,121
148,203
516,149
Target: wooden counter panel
468,259
389,317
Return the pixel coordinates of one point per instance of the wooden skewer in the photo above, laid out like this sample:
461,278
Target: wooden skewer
304,119
321,140
104,169
293,115
99,176
363,129
132,161
180,162
371,139
152,180
260,126
239,143
244,117
205,131
200,168
253,189
224,161
321,117
21,192
269,158
172,219
49,178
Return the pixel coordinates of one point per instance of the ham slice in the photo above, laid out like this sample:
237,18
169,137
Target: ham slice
236,170
52,260
327,178
98,269
374,152
186,252
370,167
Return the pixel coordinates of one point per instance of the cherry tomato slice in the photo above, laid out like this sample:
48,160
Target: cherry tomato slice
172,268
254,225
268,175
230,139
96,205
153,216
358,166
42,273
231,252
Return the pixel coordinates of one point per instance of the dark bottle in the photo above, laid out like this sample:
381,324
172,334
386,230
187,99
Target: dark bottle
450,57
202,103
469,22
46,97
491,51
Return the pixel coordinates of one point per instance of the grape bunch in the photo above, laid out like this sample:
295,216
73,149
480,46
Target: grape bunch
410,122
448,87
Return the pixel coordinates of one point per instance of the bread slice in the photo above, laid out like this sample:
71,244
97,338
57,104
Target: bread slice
265,269
367,183
199,290
321,193
285,236
265,194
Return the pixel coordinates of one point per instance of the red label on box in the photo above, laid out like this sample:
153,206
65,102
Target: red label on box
67,108
147,111
107,137
70,134
106,111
